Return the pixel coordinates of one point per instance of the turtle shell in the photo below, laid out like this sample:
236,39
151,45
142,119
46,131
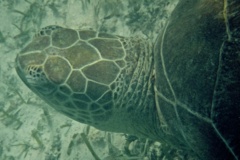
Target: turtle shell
197,63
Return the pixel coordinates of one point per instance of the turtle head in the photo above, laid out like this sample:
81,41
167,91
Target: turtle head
86,75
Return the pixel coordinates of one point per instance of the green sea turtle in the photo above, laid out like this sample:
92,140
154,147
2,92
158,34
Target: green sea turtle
184,90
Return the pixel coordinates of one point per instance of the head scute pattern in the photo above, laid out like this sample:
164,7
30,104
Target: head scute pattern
79,70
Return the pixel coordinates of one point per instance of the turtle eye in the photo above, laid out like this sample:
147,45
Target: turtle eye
35,75
37,79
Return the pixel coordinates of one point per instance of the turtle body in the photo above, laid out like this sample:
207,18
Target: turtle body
183,90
